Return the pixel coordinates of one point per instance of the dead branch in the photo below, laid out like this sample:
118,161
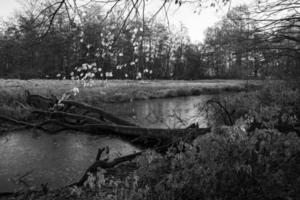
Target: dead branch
16,122
99,111
104,165
38,101
64,115
52,17
51,125
46,103
100,151
129,131
223,109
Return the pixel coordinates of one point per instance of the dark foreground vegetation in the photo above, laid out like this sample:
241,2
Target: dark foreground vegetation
252,153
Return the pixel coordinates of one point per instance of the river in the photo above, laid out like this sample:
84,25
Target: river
62,158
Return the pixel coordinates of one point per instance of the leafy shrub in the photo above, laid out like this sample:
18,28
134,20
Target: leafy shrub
274,106
230,164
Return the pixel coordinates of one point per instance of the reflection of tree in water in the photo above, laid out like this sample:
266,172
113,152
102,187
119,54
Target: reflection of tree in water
169,113
177,112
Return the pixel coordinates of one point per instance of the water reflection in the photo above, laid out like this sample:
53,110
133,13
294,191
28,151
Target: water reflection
54,159
162,113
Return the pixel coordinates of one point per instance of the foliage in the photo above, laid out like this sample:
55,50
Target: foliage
239,46
276,105
231,164
140,50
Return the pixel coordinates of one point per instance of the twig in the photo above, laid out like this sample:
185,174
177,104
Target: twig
223,108
100,151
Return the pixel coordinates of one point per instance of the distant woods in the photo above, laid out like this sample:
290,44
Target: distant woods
64,40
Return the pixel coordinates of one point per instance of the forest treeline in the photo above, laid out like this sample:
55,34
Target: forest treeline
139,48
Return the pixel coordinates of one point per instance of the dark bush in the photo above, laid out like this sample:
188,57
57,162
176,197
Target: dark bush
274,106
230,164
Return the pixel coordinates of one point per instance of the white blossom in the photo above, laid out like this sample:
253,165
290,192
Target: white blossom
139,75
75,91
84,66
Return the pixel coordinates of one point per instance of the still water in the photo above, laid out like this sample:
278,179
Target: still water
176,112
54,159
61,159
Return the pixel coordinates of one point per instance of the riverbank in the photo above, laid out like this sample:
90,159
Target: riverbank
13,101
122,90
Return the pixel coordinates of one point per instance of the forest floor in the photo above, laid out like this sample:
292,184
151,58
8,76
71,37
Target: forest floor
121,90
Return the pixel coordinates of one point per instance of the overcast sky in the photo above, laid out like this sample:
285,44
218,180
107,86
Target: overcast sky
195,22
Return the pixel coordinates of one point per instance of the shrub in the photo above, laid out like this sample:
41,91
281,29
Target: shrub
274,106
230,164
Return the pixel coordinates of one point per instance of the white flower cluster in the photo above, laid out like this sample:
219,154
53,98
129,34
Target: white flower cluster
109,74
139,75
85,73
75,91
147,71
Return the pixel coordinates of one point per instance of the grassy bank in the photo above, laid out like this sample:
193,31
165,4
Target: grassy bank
121,90
12,95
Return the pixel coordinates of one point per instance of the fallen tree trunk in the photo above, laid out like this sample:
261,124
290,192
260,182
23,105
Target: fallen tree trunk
127,131
99,111
15,121
42,102
54,121
64,115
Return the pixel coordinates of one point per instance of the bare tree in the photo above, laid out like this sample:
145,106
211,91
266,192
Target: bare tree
52,8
